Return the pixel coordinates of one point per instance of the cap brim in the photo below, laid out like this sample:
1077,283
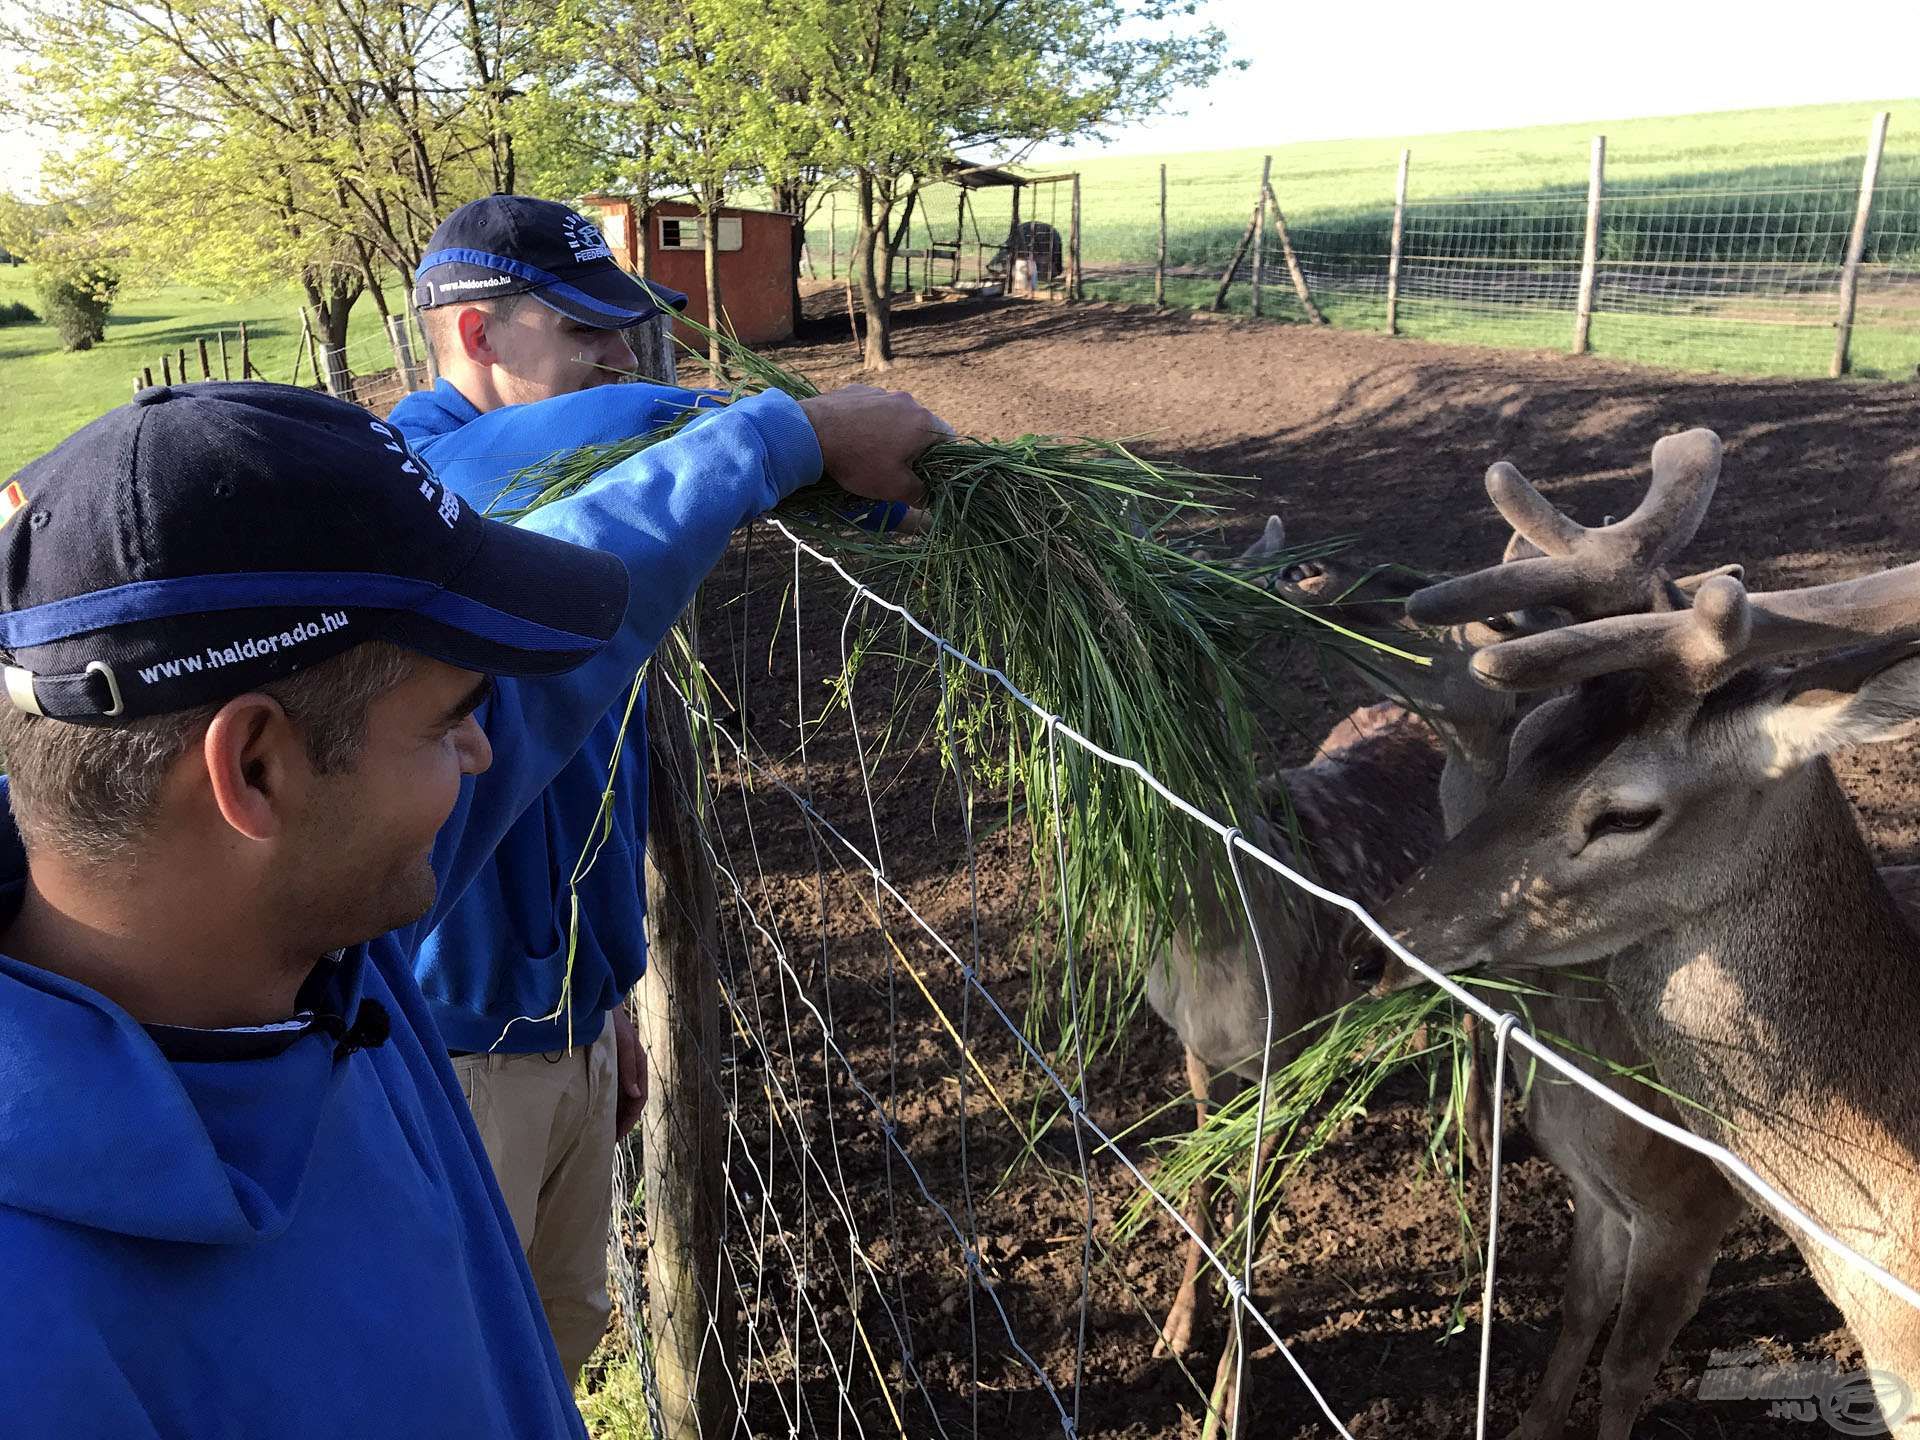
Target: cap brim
525,604
609,298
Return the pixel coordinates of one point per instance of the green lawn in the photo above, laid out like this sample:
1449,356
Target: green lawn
45,394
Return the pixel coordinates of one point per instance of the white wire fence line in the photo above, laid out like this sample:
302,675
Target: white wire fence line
876,1063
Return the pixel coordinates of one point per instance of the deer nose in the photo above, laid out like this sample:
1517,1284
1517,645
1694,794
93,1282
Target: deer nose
1366,957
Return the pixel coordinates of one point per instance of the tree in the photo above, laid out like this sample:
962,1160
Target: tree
886,91
253,139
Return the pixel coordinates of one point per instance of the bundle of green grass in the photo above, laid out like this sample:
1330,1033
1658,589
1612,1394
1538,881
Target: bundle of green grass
1069,565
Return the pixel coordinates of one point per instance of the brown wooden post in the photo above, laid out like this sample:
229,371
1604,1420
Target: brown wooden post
1260,231
206,366
137,387
1013,239
426,341
1294,272
1393,247
247,371
655,355
166,370
1160,265
226,367
853,320
1857,246
1075,290
304,350
146,377
183,364
833,235
402,344
1233,265
682,1138
1590,251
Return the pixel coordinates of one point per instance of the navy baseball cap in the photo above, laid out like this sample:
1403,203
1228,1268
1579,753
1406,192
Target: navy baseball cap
515,245
203,540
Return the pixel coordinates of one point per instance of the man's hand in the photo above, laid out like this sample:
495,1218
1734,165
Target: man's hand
870,438
630,1068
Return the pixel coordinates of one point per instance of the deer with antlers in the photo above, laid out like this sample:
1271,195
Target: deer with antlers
1671,818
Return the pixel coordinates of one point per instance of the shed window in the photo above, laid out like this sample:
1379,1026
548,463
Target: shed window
682,232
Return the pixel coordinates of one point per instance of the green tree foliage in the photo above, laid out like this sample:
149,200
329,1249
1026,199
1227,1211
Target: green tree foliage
249,140
887,91
77,296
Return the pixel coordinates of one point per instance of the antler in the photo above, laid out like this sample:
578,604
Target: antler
1585,573
1726,630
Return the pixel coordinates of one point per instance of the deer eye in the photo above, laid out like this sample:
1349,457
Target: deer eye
1621,822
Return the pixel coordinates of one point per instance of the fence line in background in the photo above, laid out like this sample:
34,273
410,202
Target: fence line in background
840,1329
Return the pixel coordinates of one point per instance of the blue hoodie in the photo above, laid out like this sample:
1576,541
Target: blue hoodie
498,960
309,1242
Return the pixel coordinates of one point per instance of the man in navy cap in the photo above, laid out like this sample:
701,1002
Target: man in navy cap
526,310
247,638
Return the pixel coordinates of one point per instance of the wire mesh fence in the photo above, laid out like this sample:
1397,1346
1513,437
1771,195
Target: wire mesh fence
920,1230
1732,268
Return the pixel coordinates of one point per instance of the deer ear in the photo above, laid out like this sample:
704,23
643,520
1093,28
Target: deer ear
1271,542
1862,697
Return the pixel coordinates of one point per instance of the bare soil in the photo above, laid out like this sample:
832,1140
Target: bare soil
1342,433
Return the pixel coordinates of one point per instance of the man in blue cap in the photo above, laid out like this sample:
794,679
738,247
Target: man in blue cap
526,310
249,641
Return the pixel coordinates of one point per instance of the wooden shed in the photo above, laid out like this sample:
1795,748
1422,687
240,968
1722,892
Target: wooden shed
758,252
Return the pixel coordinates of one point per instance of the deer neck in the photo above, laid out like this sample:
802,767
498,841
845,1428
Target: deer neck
1785,1011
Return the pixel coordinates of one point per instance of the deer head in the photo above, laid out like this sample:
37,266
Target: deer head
1666,775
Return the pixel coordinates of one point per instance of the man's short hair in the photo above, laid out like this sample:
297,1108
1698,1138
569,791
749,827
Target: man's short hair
440,321
90,792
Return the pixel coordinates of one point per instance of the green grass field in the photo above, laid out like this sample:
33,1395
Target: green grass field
1760,187
46,394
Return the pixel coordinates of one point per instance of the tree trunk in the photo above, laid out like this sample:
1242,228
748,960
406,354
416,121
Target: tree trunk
873,259
710,244
331,296
792,198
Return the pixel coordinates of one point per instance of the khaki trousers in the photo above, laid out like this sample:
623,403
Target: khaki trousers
547,1122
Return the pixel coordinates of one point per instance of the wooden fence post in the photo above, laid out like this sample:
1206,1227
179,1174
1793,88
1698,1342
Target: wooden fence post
206,367
246,354
1246,239
1857,246
656,357
1393,249
1294,272
1075,291
137,387
402,344
1590,252
1260,231
1160,266
426,342
183,364
1013,242
226,368
146,377
683,1149
166,370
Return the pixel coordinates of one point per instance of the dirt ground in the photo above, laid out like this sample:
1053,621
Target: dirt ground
1341,433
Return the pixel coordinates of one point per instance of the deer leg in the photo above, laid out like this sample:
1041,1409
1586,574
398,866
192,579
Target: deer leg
1667,1269
1595,1271
1480,1108
1176,1336
1226,1375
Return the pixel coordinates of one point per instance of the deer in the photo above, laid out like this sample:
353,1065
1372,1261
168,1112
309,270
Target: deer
1667,816
1367,808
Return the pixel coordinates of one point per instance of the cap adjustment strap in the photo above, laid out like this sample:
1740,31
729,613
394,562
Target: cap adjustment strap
74,696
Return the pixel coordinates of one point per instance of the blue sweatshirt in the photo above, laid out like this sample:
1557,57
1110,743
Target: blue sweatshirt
498,960
308,1242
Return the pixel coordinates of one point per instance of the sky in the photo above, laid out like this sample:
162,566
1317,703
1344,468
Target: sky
1339,71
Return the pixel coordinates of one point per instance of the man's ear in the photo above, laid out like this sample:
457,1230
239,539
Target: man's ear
256,762
475,328
1862,697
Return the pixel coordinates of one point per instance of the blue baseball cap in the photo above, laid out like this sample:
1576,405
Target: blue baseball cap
203,540
516,245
